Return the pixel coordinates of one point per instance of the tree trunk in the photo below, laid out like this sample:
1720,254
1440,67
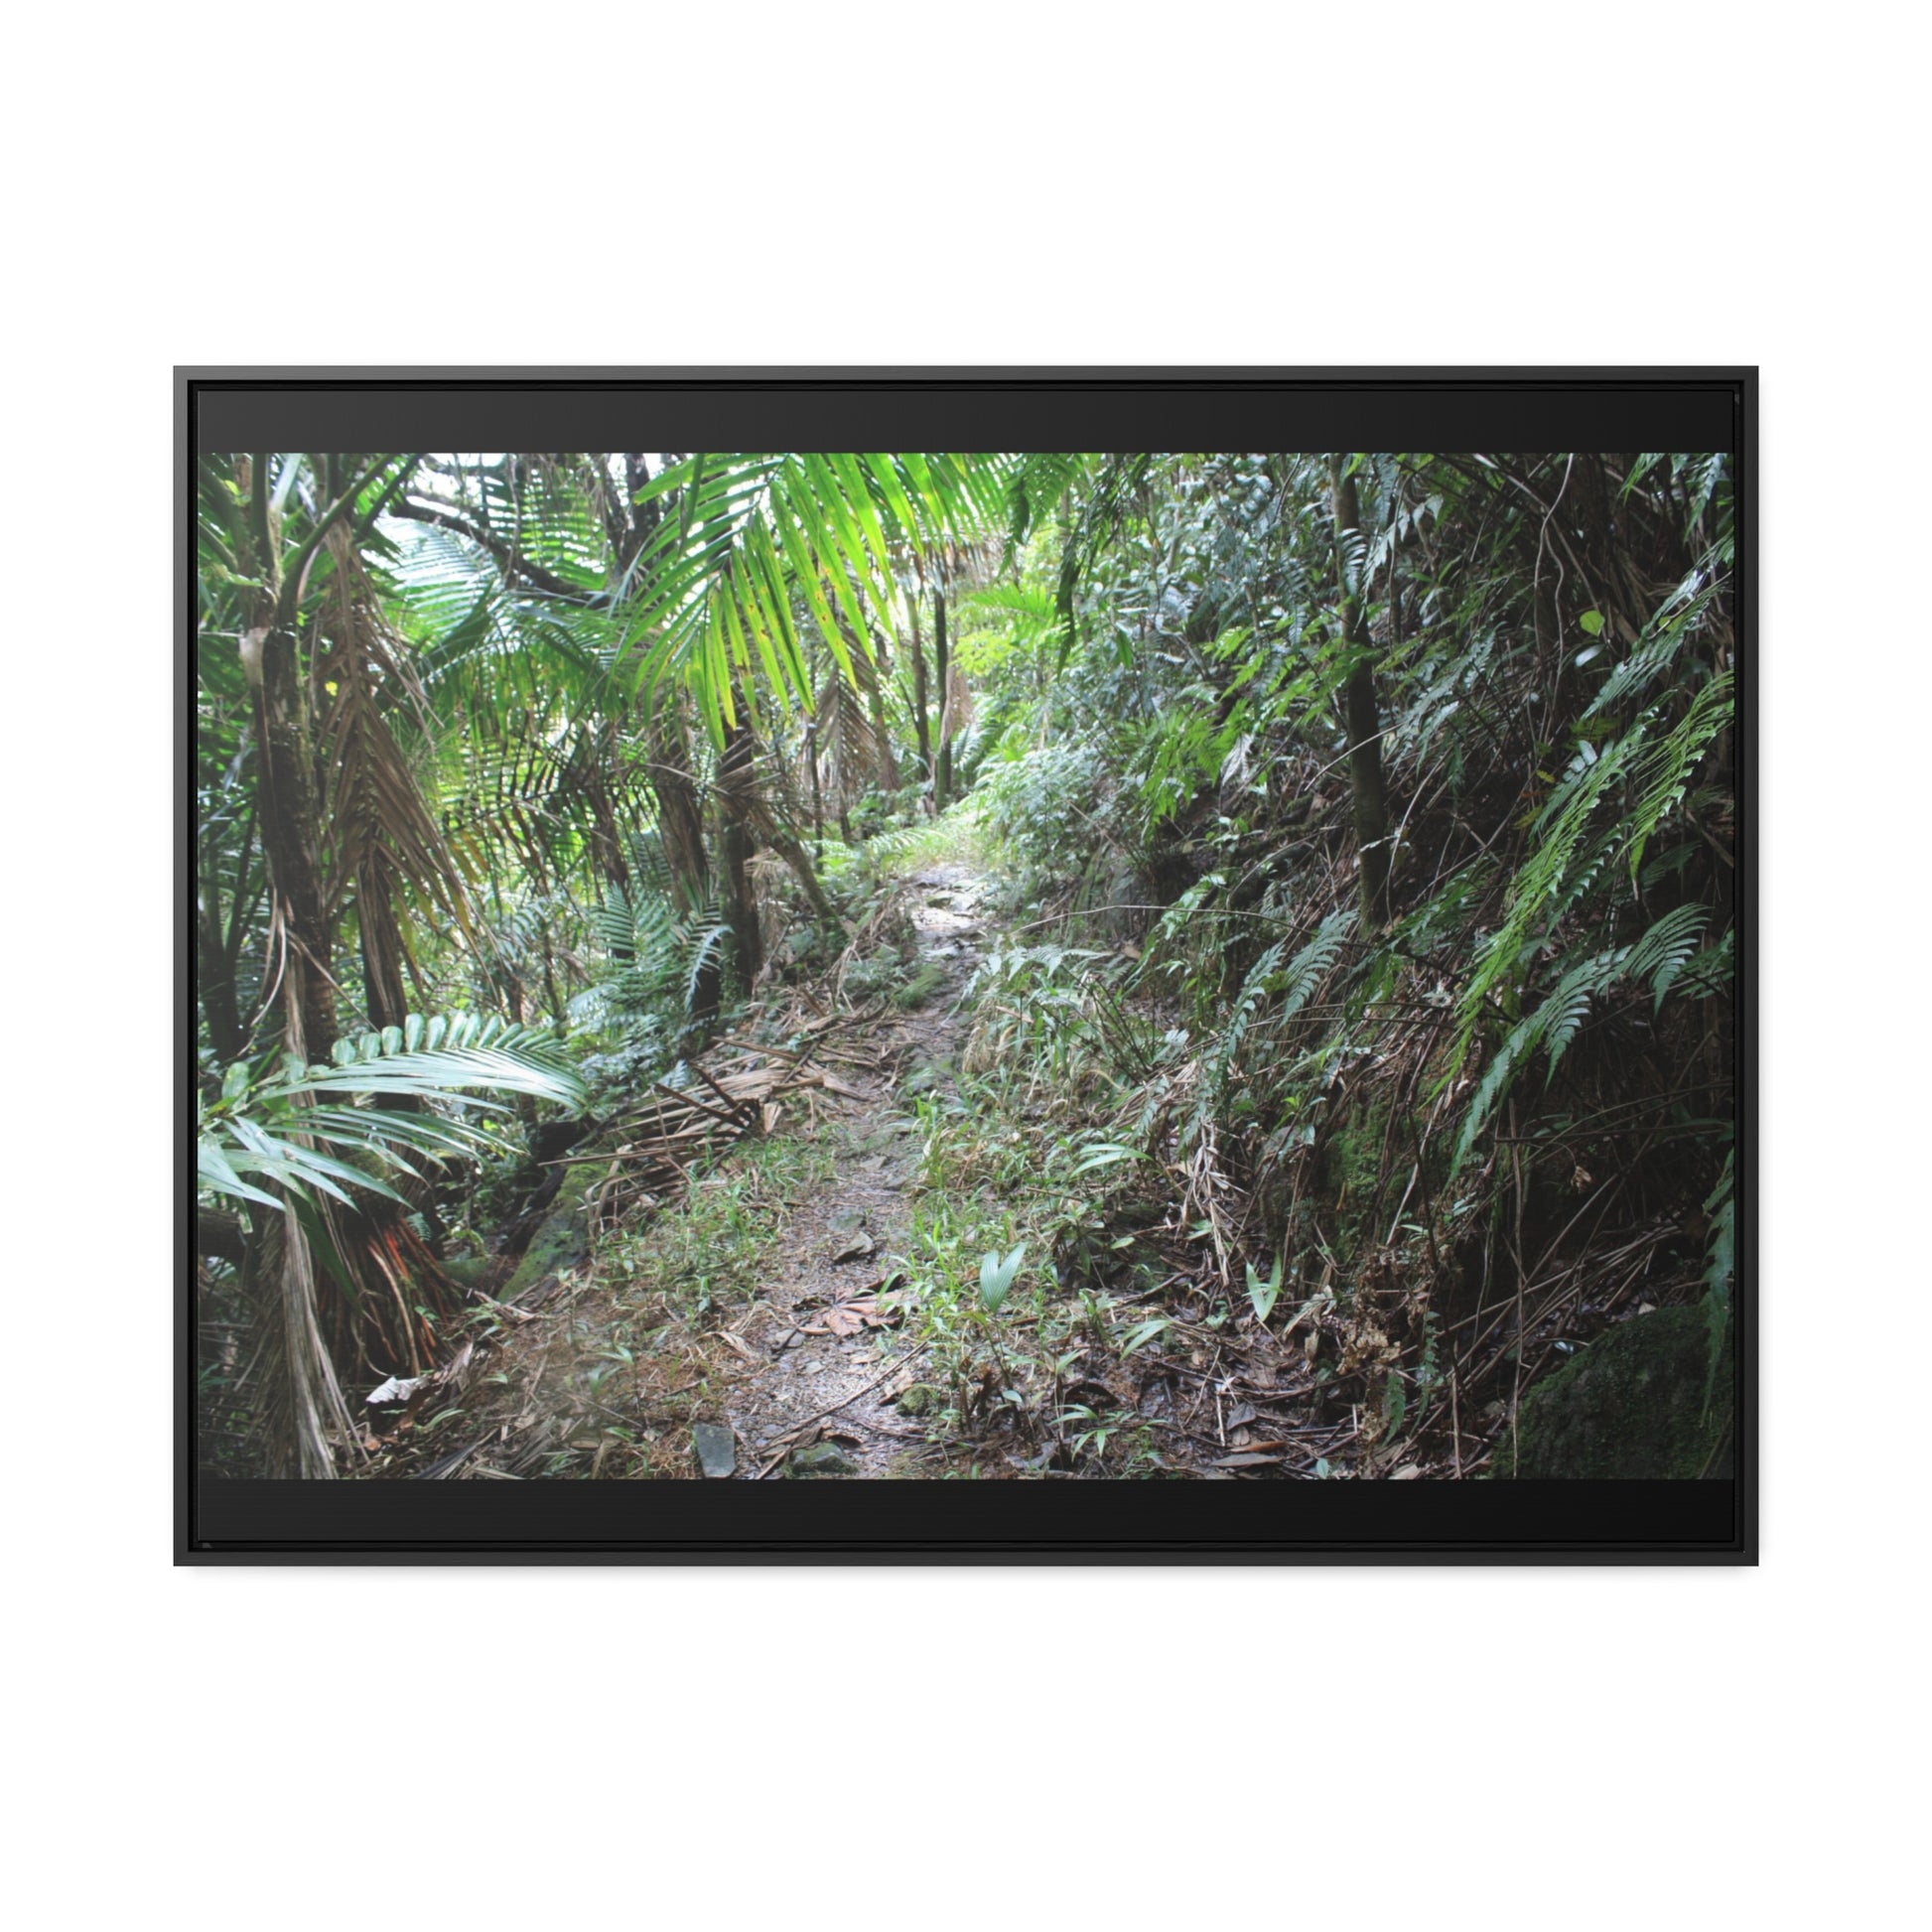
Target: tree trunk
818,793
381,941
799,860
1364,717
289,819
221,1000
888,776
607,835
680,832
919,694
942,669
734,810
680,816
747,824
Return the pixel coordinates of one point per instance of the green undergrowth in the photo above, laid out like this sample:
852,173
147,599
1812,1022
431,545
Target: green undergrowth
1033,1369
717,1245
957,836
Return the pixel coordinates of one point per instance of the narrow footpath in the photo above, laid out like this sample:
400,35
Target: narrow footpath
828,1364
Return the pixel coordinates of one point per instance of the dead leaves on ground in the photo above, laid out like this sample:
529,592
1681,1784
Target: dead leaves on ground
843,1319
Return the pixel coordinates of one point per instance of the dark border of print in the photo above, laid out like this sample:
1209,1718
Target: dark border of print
1711,1522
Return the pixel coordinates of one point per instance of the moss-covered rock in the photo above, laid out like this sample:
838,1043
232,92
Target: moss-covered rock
468,1270
1629,1406
564,1239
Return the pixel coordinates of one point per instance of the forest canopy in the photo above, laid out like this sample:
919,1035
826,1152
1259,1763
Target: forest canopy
1250,937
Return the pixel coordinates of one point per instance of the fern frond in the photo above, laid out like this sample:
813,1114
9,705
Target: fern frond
1253,987
703,941
1494,1084
1562,824
1311,965
1553,1025
1664,951
1665,772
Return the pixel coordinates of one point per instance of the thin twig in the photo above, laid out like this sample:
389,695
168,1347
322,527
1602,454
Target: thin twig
798,1429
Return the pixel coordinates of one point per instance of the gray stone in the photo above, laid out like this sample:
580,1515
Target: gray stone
717,1450
823,1460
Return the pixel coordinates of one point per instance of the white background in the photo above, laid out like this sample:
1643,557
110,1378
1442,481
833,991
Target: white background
1481,184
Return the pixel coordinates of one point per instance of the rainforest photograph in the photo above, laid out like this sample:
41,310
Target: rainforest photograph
1055,967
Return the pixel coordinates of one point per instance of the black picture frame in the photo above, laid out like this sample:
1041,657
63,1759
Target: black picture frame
1528,409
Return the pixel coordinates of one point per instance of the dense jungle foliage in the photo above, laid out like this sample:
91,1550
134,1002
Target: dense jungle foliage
1360,838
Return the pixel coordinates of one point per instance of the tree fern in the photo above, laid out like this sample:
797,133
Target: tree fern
711,596
1235,1028
1035,489
1557,1019
1676,621
1538,896
1710,973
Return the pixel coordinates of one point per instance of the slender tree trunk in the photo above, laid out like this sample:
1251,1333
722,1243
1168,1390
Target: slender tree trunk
381,939
871,667
221,1000
289,819
943,670
680,818
607,836
818,797
736,777
307,1322
920,722
747,824
887,774
794,853
1364,717
305,1402
681,831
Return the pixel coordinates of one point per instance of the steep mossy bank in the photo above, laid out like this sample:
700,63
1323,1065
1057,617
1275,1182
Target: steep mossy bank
1629,1406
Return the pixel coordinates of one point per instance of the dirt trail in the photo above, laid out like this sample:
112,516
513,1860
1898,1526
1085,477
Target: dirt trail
623,1365
817,1398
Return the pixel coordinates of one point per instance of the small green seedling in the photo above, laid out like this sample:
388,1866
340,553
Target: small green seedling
1262,1294
996,1277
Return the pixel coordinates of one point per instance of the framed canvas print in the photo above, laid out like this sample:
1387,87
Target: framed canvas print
977,966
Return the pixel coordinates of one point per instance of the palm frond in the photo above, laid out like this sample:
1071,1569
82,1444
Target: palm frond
710,597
